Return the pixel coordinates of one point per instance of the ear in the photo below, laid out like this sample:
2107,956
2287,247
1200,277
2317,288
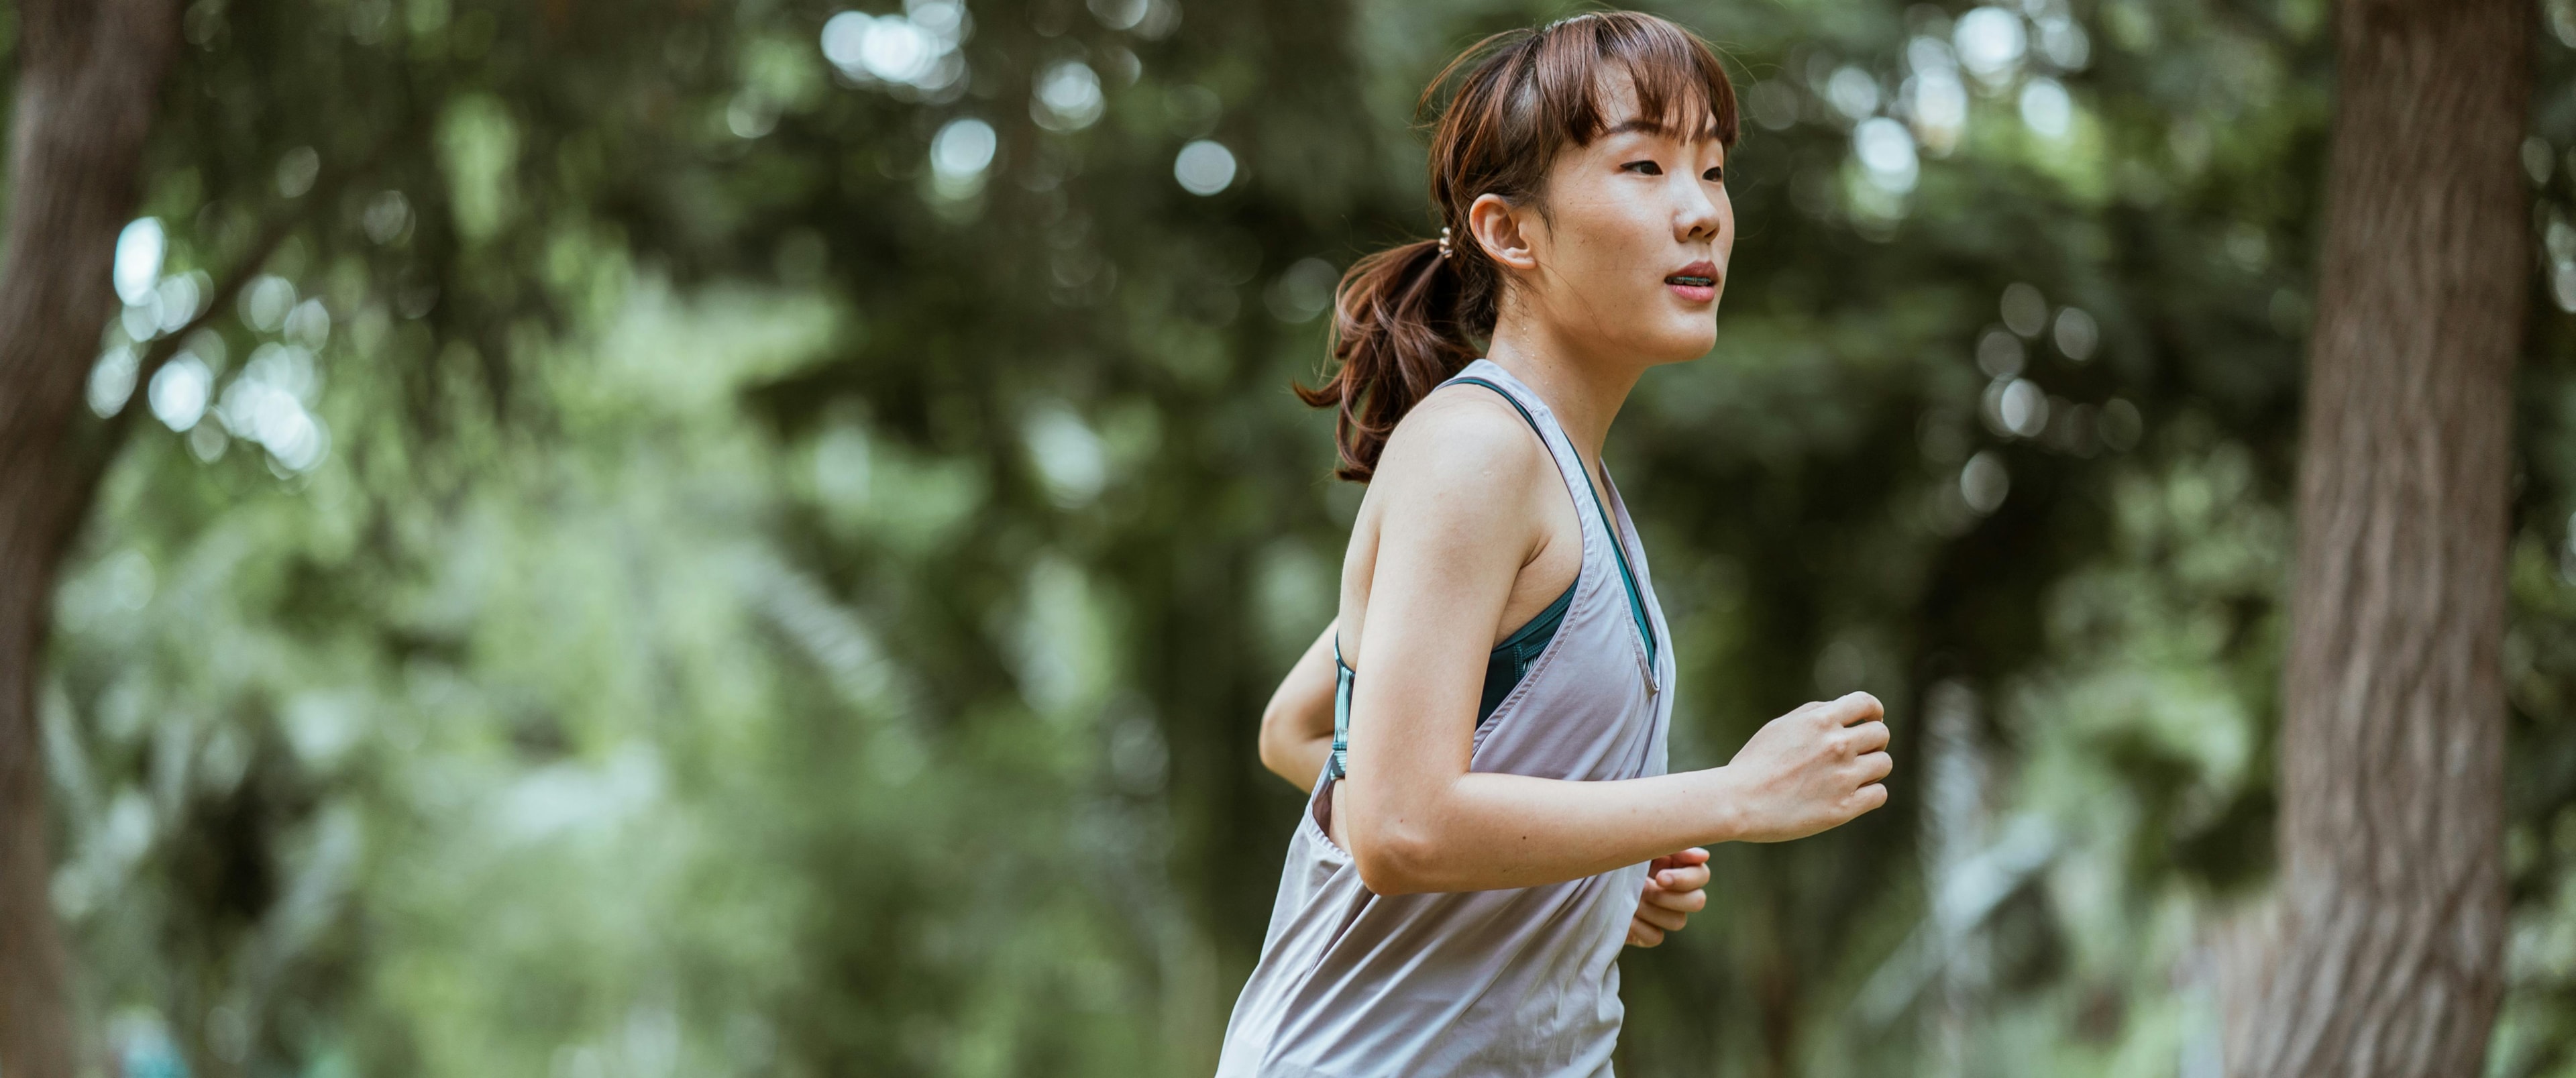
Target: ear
1504,231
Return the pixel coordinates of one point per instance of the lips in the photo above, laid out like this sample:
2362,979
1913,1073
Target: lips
1701,274
1694,284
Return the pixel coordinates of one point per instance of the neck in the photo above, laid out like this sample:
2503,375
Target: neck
1584,389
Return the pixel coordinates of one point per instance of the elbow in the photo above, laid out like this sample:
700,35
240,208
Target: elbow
1393,861
1276,744
1381,879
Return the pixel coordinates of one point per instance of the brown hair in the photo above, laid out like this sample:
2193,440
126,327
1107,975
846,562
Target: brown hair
1405,319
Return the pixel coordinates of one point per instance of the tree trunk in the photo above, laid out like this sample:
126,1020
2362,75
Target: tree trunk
89,74
2382,952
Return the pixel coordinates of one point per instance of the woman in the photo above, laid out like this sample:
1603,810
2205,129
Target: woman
1484,724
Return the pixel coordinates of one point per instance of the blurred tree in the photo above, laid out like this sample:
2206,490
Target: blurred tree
88,76
85,144
2387,953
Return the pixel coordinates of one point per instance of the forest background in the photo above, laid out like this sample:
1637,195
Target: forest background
752,538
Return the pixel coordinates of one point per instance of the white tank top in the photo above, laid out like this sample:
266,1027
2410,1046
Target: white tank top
1485,983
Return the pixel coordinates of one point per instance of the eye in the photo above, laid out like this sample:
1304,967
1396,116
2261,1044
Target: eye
1715,175
1643,168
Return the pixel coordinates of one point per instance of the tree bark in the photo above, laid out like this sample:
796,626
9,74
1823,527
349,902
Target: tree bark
2382,951
90,72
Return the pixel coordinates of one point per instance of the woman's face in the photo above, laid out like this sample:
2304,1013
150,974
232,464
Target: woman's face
1631,252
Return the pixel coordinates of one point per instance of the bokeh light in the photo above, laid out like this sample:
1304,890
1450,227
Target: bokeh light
2063,41
296,170
2000,353
1853,92
178,392
1933,99
1204,167
1068,455
1983,482
269,402
2022,408
1067,96
308,325
265,301
139,249
2046,108
111,381
2024,309
2076,334
918,49
180,298
1990,42
1149,19
387,217
1886,150
960,153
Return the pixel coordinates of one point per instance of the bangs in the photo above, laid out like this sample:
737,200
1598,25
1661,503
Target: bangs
1571,79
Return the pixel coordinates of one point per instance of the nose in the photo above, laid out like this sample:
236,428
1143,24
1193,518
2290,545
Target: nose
1699,217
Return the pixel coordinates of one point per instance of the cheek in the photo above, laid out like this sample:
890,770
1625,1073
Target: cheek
1617,246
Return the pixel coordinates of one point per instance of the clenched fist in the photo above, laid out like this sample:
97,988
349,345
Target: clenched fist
1812,769
1676,887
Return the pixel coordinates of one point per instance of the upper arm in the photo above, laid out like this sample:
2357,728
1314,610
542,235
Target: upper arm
1454,527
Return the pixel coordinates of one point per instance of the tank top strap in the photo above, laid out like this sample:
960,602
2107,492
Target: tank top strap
1569,466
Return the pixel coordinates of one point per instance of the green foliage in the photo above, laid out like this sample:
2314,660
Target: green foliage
768,602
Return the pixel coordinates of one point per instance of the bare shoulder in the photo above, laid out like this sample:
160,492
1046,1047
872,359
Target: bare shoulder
1465,456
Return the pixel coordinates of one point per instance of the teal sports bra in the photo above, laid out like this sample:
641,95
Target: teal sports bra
1510,660
1504,667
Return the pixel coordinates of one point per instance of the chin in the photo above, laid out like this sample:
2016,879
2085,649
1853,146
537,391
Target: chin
1682,343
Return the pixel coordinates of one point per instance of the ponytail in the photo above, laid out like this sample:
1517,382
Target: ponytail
1396,336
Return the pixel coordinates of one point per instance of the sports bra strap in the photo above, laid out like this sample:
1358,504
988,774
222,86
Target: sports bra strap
1628,576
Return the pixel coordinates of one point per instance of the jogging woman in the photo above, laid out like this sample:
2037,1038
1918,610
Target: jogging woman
1483,725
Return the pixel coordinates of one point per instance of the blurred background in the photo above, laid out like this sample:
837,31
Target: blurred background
752,538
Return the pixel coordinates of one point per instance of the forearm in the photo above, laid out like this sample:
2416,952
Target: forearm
1485,831
1804,772
1297,727
1300,760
